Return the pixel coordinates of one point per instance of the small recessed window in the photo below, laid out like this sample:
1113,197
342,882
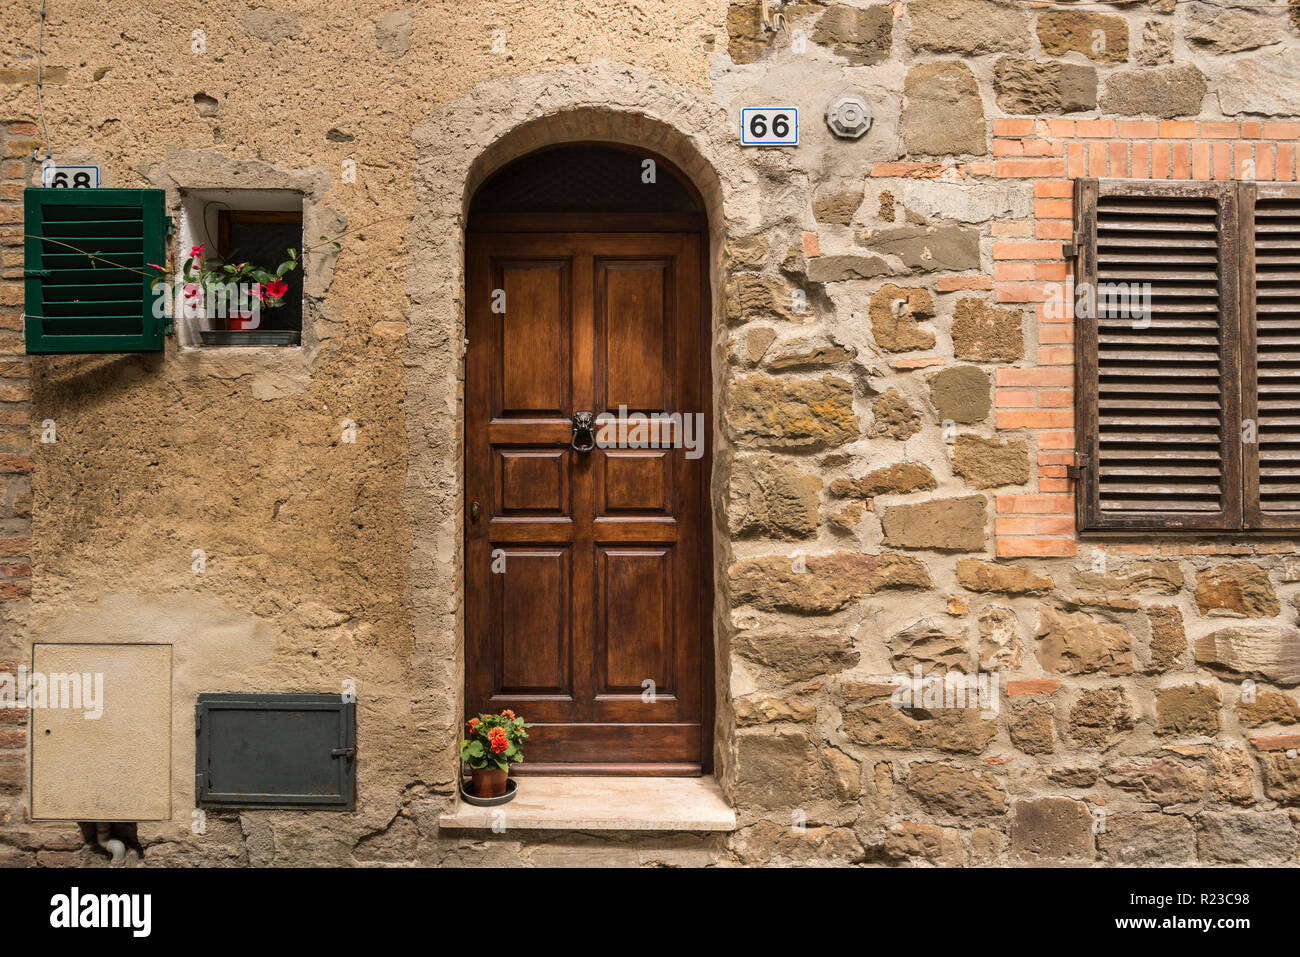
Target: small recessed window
241,268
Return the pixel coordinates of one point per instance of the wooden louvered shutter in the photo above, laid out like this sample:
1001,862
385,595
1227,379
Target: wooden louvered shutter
1158,398
74,303
1270,278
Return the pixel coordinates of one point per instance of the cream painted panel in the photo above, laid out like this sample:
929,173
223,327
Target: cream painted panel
115,767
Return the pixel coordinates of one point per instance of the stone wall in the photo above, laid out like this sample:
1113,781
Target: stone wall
893,400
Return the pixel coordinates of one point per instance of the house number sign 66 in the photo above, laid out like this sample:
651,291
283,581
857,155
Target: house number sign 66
769,126
69,177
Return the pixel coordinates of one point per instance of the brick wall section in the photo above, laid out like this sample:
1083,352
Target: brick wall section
1028,259
15,463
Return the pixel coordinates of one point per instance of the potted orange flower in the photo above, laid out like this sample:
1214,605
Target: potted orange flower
494,743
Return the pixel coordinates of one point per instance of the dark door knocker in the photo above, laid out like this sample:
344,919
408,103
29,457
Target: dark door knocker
584,432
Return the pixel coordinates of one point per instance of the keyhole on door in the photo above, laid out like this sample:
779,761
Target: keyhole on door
473,512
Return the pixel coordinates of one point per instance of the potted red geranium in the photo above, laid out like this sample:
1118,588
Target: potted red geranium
494,743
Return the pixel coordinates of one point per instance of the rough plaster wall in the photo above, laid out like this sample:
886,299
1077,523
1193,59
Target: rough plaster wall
329,561
308,540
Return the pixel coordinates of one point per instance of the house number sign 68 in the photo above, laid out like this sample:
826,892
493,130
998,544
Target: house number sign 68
69,177
769,126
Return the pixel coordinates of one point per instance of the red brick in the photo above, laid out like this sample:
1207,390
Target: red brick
1222,162
1062,310
1159,160
1201,164
1013,127
918,170
1056,356
1264,162
1035,419
1015,399
1054,189
1141,160
954,283
1284,164
1055,334
1076,160
1118,159
1021,292
11,591
1051,272
811,245
1059,127
1010,249
1054,208
1138,129
1014,525
1013,271
1043,547
1213,130
1181,154
1054,229
1029,168
1056,440
1054,524
1252,130
1097,156
1178,129
1281,131
1008,148
1035,377
1043,148
1053,485
1056,398
1094,128
1243,162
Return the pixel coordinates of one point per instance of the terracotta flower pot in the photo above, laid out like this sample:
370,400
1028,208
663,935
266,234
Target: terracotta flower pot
489,782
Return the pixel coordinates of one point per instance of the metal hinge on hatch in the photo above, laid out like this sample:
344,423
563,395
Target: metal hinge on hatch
1075,471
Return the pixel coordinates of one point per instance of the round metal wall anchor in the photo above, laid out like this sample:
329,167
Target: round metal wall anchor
848,116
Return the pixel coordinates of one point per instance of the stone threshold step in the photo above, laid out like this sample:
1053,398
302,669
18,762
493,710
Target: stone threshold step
581,803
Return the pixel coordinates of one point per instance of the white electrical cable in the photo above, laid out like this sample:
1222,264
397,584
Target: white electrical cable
40,103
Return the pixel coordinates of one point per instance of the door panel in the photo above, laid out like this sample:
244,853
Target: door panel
531,623
591,626
634,612
634,328
532,361
532,481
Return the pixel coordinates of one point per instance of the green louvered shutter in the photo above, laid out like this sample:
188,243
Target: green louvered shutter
76,303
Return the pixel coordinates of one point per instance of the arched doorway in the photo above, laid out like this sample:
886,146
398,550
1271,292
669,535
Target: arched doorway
587,554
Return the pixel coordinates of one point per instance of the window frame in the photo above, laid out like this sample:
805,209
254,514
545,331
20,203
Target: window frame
1241,512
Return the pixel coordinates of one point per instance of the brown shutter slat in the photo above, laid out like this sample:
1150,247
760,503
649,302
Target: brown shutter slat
1158,394
1270,227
